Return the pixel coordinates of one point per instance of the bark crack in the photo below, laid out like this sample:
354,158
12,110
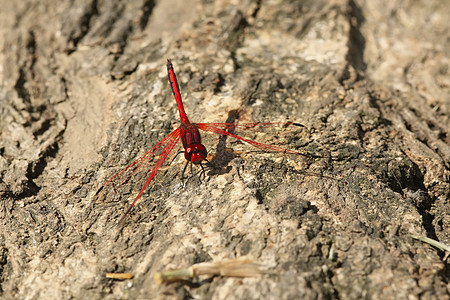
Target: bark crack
356,66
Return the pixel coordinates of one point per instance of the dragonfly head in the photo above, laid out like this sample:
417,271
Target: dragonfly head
195,153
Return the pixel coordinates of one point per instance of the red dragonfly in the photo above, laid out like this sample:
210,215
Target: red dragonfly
194,151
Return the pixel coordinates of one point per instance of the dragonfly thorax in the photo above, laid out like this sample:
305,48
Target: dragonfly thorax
195,153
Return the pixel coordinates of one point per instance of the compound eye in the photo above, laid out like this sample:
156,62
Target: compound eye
197,158
195,153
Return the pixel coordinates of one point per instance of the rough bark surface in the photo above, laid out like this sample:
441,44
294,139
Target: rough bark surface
84,91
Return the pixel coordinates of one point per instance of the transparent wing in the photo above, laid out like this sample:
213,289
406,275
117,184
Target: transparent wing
142,165
227,128
251,125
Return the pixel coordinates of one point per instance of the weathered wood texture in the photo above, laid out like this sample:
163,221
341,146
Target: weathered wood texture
84,91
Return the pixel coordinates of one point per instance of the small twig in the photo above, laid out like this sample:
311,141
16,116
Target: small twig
120,276
439,245
238,267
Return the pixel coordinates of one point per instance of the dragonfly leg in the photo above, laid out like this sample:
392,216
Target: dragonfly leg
287,124
203,173
179,152
184,170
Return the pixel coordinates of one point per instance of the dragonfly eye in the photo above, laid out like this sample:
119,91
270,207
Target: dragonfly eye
195,153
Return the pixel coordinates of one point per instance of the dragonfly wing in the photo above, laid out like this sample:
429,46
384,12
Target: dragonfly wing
172,141
252,125
126,173
220,128
142,165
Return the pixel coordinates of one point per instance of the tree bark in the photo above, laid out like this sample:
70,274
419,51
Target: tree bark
84,92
